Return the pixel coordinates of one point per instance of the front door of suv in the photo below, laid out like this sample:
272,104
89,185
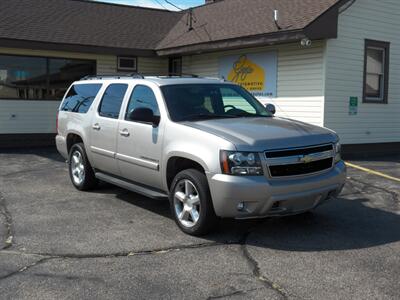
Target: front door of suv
104,129
139,144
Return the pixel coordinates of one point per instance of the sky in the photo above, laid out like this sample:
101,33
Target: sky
158,3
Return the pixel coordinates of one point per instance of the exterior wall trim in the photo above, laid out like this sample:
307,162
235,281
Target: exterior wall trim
25,140
350,151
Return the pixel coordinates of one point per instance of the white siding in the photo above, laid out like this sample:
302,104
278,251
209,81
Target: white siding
300,82
366,19
153,65
19,116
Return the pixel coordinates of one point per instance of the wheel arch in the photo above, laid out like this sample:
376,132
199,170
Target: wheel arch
178,162
73,138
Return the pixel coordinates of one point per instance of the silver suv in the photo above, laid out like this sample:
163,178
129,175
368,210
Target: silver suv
206,144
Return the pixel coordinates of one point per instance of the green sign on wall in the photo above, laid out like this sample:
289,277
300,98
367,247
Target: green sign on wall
353,106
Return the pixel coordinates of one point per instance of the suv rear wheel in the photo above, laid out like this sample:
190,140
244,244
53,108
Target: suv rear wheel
80,170
191,204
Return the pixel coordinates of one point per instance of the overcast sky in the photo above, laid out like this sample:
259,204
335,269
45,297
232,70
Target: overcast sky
158,3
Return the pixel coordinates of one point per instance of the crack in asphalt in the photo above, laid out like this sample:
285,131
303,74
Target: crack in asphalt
8,242
129,253
49,256
257,271
25,268
394,195
233,293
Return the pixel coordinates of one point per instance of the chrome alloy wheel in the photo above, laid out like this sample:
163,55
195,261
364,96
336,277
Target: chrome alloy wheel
77,168
187,203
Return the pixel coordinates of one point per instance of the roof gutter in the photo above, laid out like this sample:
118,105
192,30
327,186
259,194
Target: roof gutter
39,45
236,43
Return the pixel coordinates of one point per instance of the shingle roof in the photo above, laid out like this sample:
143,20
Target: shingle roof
84,23
237,18
94,24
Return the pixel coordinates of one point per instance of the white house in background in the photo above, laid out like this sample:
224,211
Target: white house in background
333,63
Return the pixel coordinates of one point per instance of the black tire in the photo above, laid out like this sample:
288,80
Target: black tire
89,180
207,220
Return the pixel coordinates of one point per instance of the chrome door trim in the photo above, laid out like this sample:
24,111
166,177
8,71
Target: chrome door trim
103,152
138,161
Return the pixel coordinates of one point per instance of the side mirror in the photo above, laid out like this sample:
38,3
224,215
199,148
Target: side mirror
145,115
270,108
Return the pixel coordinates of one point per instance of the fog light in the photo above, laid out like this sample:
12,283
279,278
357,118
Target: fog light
240,206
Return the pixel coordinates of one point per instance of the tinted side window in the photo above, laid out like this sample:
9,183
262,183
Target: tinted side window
112,99
142,96
80,97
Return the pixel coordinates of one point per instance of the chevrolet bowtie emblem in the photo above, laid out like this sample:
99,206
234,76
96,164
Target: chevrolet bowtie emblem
305,159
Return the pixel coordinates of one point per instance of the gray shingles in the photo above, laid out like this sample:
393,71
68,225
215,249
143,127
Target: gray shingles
84,23
96,24
230,19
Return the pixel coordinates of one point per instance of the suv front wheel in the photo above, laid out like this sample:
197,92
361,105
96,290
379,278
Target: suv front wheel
80,170
191,203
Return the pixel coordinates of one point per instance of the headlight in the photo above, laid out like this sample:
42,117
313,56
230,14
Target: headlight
338,148
240,163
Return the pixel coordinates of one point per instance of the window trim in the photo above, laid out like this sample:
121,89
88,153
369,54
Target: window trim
94,61
123,69
386,47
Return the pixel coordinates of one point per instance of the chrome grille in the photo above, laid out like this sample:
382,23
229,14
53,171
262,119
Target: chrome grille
300,161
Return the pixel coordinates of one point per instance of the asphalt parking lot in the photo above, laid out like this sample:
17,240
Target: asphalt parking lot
58,243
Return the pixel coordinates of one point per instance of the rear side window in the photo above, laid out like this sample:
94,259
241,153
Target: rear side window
80,97
112,100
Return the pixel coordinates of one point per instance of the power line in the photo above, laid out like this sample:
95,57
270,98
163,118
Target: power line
159,3
170,3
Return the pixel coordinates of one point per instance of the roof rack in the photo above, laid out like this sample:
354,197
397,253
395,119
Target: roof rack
115,76
185,75
140,76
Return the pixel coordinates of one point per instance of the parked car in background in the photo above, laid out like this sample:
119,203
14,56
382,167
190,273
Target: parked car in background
208,145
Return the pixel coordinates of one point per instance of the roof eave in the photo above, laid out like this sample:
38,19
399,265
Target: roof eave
39,45
236,43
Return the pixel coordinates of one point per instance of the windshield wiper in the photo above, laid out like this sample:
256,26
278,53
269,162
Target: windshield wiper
207,116
249,115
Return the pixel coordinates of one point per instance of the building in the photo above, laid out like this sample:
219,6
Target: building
333,63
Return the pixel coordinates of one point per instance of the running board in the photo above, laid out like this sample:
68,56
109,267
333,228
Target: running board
131,186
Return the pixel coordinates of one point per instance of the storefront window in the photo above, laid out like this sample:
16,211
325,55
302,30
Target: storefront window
40,78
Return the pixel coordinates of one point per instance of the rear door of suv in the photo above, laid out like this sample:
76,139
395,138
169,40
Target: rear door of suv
104,128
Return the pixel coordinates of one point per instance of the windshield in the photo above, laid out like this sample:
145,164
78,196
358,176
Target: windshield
189,102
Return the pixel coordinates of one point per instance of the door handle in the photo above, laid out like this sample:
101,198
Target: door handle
124,132
96,126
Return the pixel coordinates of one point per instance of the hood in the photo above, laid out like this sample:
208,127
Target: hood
260,134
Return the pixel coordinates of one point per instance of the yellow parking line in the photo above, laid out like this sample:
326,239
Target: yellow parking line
372,172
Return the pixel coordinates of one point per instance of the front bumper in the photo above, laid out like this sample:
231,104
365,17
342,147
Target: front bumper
262,197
